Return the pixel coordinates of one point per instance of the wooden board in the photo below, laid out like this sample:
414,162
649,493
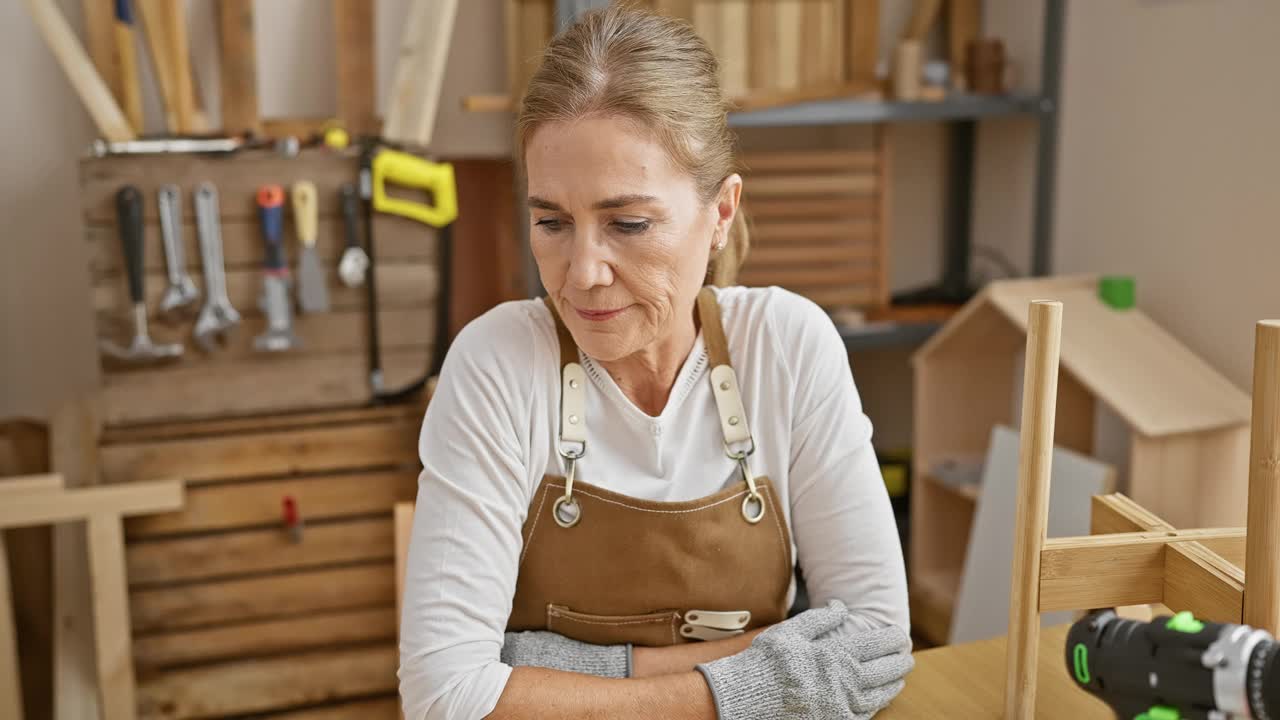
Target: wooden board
211,557
387,708
403,529
260,598
257,504
238,67
254,455
966,681
963,20
111,621
48,507
982,606
353,29
259,685
10,681
326,630
863,41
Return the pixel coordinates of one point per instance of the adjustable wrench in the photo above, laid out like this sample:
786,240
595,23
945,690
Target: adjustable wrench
217,317
181,292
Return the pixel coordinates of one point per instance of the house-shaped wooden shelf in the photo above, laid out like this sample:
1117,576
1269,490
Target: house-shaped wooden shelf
1128,393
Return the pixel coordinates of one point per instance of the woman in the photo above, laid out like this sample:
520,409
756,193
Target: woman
619,482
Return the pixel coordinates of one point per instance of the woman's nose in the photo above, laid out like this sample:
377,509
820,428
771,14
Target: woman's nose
589,263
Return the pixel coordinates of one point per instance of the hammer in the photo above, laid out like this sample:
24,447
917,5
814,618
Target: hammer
129,217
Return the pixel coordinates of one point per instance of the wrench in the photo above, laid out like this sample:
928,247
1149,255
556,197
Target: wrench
217,317
181,292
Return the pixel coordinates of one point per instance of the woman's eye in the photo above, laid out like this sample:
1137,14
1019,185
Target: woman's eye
550,224
631,227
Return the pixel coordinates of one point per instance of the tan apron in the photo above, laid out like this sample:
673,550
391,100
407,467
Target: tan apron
606,568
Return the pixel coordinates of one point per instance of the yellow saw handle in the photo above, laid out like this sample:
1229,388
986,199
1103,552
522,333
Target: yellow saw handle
411,171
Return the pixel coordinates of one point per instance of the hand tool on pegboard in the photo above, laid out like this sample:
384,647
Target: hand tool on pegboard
217,318
354,263
274,300
380,166
142,349
181,294
313,291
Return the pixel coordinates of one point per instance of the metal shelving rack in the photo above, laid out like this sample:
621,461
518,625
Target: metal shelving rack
962,114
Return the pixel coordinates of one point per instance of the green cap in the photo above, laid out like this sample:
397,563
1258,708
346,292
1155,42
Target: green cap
1185,622
1117,291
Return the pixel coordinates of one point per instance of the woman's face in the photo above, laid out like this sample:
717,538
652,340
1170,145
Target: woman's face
620,234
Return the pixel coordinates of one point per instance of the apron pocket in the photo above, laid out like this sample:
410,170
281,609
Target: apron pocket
650,629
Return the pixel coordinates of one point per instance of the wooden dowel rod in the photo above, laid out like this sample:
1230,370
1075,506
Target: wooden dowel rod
1262,548
1039,407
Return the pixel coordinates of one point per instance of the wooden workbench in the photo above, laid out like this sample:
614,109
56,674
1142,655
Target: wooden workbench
967,681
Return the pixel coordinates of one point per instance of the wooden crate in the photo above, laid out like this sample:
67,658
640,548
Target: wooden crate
768,49
820,222
231,614
331,369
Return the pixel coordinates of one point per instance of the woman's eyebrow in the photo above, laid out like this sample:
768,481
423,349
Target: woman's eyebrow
620,201
541,204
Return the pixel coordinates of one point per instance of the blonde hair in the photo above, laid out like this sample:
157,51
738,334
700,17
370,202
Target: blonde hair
657,72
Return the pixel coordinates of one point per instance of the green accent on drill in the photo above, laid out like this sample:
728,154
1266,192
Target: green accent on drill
1185,622
1117,291
1160,712
1080,658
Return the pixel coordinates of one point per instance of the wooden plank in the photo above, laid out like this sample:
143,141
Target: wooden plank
46,508
419,74
963,20
809,160
111,616
884,210
810,184
762,31
1196,579
261,685
10,681
152,13
387,708
812,52
341,332
1035,452
100,40
400,286
297,383
923,15
242,247
1116,513
787,15
403,533
46,482
260,598
735,58
796,232
239,67
863,41
74,430
243,505
1262,564
353,23
768,257
270,637
209,557
411,411
76,65
682,9
175,24
858,207
263,454
860,275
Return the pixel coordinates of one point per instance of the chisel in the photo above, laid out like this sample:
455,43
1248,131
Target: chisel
313,294
274,301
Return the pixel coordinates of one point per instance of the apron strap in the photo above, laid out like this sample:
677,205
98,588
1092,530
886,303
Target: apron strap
573,392
724,382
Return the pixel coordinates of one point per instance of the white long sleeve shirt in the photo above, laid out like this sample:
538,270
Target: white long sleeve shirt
490,435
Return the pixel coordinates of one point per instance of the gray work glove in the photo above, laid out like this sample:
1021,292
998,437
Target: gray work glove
791,670
542,648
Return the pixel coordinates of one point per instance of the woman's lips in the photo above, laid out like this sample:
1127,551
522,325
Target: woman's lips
598,315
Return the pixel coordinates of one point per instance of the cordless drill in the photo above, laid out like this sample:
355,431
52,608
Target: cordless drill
1176,668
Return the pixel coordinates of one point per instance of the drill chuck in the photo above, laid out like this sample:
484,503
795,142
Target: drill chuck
1176,668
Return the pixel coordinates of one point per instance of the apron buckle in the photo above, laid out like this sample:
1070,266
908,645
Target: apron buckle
753,503
567,512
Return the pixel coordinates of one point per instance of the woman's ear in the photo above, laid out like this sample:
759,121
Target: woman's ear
727,203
